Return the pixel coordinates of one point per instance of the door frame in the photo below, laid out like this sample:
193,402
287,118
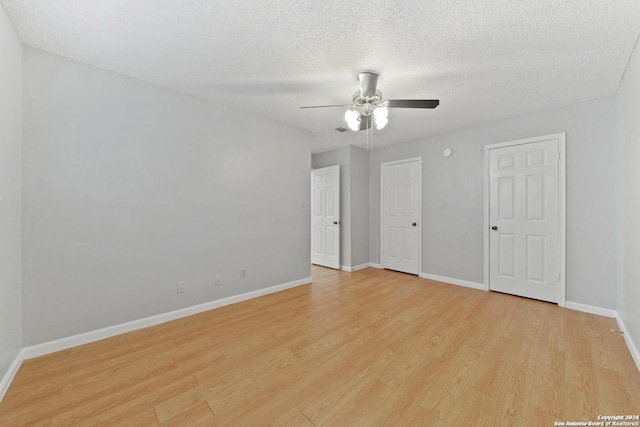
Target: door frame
397,162
562,203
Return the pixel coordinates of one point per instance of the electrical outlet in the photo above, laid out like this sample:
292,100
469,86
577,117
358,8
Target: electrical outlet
243,272
218,279
180,287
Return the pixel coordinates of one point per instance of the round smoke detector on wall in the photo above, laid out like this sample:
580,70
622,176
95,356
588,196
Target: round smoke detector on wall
447,152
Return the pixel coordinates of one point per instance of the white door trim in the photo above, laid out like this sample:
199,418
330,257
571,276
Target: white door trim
562,204
397,162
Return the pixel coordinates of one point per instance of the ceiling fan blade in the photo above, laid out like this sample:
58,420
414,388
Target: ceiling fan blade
413,103
368,83
326,106
365,122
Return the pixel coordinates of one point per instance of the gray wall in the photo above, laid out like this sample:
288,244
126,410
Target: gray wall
130,188
453,237
10,192
359,206
354,201
628,114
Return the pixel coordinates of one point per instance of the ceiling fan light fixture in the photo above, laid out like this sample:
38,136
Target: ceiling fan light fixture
381,116
381,113
380,123
352,118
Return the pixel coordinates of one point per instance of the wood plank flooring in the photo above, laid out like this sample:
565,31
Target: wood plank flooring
369,348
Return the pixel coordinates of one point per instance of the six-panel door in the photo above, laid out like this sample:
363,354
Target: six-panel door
401,216
325,216
524,220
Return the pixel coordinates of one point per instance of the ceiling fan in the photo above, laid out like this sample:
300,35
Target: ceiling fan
368,103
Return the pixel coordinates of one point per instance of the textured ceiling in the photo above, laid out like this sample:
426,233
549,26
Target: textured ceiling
483,59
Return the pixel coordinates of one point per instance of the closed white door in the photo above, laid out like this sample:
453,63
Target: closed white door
325,216
524,220
401,206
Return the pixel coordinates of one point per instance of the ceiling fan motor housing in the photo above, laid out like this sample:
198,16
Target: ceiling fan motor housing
368,97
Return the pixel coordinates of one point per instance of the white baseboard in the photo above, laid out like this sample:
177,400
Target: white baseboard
614,314
11,373
375,265
361,266
355,268
452,281
87,337
591,309
627,338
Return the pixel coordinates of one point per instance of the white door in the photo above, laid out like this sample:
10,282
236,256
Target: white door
524,219
325,216
401,206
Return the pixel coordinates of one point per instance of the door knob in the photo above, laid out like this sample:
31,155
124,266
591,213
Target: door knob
414,224
494,228
335,222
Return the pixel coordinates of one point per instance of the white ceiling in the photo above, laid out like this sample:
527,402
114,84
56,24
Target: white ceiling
484,59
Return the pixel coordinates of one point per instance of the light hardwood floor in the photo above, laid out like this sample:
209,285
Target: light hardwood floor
370,348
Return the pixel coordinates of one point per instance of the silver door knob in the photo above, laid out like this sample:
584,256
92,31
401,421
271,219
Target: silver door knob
494,228
414,224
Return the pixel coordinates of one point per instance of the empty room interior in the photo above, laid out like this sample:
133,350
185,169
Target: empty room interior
365,213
